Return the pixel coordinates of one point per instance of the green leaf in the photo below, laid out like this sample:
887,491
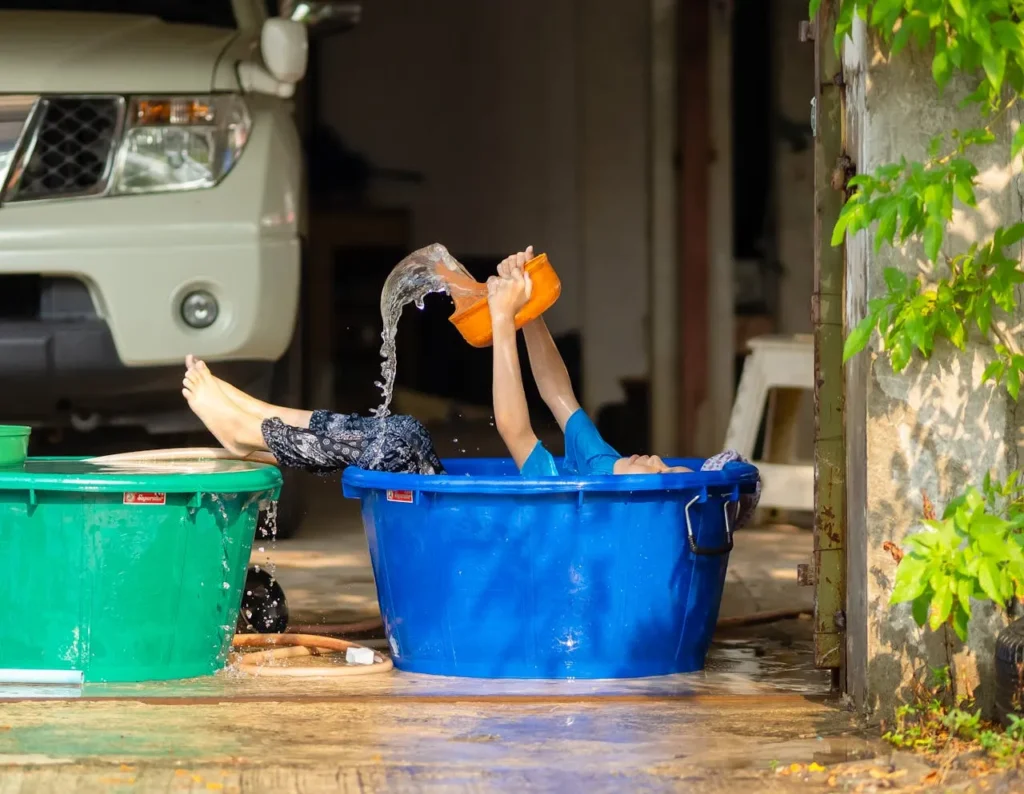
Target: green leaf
953,327
1013,234
988,578
919,609
859,337
1013,382
993,371
961,619
965,191
1017,145
910,580
994,63
901,354
813,9
942,68
933,233
886,229
1008,35
942,605
959,7
964,591
850,213
895,279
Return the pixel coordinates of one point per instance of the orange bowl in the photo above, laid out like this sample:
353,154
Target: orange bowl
474,322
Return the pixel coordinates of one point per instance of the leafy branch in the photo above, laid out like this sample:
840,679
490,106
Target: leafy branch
975,551
983,37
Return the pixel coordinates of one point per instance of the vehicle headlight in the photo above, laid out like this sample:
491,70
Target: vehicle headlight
180,143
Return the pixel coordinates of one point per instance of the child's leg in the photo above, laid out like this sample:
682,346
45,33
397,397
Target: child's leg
290,416
301,448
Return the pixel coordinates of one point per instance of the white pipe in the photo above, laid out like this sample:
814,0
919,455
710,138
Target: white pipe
24,676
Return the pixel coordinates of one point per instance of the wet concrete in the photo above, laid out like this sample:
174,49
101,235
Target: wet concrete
759,707
388,744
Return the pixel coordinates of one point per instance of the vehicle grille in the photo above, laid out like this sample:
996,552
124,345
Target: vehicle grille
72,150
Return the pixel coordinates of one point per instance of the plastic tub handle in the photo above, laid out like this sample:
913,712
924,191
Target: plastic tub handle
693,541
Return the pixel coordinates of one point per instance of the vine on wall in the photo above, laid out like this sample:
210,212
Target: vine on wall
975,550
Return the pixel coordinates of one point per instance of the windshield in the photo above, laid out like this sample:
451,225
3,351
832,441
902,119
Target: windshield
218,13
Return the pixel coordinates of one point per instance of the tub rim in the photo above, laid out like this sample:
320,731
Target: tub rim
743,476
256,478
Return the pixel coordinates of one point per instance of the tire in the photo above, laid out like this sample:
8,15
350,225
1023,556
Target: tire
1010,671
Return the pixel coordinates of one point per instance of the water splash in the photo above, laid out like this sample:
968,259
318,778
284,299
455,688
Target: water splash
424,272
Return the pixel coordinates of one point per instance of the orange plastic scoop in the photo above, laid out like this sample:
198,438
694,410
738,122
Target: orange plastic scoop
473,316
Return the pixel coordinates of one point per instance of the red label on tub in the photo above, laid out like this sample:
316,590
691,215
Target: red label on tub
145,498
405,497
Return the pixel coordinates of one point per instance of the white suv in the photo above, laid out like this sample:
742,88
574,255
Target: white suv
150,201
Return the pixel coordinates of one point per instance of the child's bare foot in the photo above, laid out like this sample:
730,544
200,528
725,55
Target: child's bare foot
237,396
237,431
246,402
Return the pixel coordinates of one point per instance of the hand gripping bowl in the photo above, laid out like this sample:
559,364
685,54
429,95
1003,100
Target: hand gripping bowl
125,572
482,573
473,319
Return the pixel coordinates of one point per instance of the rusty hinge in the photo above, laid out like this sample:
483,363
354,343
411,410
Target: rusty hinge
807,30
805,575
844,171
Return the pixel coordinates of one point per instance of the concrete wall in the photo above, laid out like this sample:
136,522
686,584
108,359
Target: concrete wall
931,428
529,121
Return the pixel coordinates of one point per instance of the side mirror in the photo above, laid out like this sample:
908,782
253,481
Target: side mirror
284,45
323,17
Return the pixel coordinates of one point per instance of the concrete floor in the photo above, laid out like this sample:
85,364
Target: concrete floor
759,708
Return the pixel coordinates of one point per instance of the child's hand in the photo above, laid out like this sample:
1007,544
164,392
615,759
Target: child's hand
516,260
506,295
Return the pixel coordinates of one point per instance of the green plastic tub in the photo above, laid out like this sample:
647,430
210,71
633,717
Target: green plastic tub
124,574
13,444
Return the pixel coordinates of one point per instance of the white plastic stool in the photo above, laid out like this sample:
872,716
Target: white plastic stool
775,373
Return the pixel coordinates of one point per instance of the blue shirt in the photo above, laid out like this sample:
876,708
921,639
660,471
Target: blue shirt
586,452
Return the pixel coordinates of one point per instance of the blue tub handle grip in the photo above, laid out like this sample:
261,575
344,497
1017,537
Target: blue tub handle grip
706,552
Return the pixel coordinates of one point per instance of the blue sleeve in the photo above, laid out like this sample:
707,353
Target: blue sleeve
586,452
539,464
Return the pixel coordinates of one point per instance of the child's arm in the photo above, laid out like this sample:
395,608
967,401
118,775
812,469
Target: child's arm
505,297
549,372
546,362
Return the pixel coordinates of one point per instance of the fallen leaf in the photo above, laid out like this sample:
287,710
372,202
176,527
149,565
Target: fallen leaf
832,782
928,509
214,786
126,768
814,766
895,551
795,767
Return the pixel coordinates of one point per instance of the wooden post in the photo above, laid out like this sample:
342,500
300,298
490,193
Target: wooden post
829,387
694,157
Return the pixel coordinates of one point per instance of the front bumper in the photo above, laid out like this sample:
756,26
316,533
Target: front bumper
138,256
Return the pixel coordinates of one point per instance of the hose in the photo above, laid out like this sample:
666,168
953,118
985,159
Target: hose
289,646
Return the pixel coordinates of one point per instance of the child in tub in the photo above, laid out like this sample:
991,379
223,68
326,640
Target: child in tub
586,452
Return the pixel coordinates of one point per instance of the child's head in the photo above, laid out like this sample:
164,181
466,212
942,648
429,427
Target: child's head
645,464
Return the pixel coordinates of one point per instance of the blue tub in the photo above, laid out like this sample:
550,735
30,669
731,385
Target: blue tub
484,574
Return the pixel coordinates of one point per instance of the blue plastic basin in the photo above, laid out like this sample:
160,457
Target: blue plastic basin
482,573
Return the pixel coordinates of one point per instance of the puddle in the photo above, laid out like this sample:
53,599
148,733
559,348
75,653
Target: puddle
773,660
